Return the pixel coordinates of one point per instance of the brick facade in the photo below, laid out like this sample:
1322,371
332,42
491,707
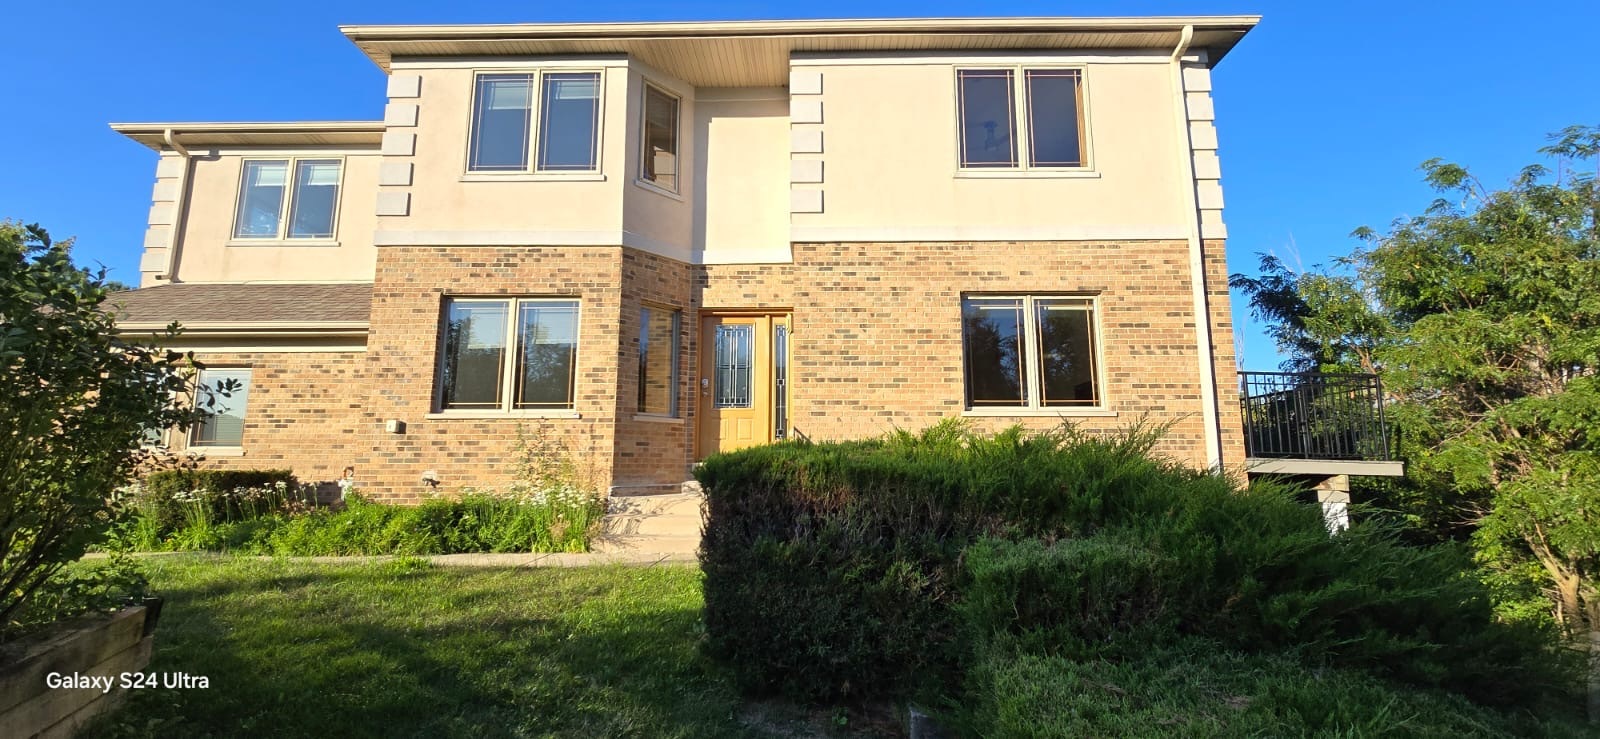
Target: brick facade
876,346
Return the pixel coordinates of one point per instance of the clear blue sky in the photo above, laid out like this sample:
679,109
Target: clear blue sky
1324,111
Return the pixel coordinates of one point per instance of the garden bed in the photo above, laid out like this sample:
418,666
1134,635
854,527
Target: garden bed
51,683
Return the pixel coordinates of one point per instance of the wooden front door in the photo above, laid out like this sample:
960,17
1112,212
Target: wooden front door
744,394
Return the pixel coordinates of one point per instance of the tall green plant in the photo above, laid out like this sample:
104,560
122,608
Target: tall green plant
75,401
1484,315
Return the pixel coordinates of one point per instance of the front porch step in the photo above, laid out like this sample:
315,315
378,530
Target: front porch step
664,524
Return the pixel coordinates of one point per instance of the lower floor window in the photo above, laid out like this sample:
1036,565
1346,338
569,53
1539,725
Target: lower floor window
222,398
509,354
658,361
1029,352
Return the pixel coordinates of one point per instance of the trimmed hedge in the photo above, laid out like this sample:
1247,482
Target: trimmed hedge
836,570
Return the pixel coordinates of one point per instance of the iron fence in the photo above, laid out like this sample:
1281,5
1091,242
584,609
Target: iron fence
1313,415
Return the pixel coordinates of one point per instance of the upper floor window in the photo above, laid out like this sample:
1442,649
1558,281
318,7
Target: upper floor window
567,108
287,199
1021,118
509,354
1030,352
658,157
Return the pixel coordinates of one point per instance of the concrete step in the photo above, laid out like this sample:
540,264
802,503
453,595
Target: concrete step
641,524
632,544
651,525
676,504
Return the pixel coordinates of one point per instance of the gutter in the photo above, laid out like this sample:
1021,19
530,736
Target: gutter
1197,262
171,138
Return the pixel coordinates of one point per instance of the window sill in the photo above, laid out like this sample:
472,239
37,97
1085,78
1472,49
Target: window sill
216,451
492,415
533,177
648,418
281,242
1039,413
657,189
1026,174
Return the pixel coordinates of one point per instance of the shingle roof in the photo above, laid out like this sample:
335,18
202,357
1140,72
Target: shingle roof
242,304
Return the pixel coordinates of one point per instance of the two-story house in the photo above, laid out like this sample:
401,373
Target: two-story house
656,241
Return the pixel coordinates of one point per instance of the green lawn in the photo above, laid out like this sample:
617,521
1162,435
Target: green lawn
401,648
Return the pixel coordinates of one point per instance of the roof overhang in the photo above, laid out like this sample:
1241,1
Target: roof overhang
756,53
287,133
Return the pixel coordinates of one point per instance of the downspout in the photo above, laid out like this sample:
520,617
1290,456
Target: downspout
1197,263
182,196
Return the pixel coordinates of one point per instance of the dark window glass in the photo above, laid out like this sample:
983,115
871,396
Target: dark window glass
223,424
658,361
261,192
988,129
1066,352
992,338
474,354
547,338
500,123
1055,131
734,352
569,121
660,154
316,198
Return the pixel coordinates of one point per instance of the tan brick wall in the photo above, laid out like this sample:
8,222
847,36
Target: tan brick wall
876,346
402,360
877,338
304,412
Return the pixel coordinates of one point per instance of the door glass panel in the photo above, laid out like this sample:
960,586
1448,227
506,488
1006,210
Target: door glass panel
780,374
734,352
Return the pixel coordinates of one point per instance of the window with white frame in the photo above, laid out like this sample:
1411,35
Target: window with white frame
288,199
1030,351
504,354
566,106
1021,118
658,361
224,397
658,155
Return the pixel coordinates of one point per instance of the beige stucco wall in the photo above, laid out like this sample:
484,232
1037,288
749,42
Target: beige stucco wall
204,253
653,219
742,211
578,209
889,133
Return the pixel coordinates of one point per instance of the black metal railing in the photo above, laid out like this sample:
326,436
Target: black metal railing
1313,415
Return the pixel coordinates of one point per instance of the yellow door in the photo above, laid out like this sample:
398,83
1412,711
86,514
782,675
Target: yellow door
743,392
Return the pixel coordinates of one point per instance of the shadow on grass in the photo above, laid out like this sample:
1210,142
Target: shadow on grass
292,649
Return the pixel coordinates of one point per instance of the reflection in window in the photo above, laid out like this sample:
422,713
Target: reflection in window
547,337
1029,351
1046,103
222,424
261,192
480,336
500,115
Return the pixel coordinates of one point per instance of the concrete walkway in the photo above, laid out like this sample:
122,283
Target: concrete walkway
537,559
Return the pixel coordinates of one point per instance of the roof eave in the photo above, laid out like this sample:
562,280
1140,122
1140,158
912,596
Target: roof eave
199,133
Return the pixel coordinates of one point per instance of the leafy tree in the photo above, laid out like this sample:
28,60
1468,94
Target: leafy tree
1484,315
75,401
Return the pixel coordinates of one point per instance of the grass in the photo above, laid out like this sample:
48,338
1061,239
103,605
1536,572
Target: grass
400,648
